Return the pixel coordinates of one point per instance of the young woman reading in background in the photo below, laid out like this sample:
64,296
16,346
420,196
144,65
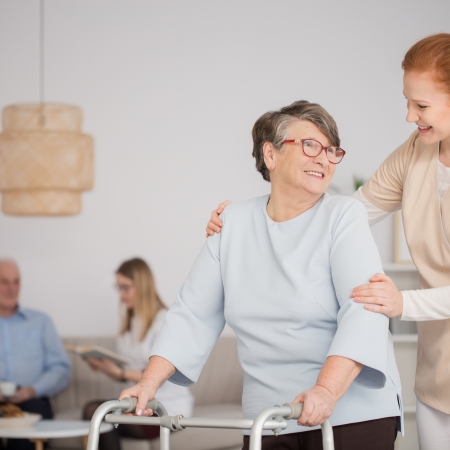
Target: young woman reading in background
142,318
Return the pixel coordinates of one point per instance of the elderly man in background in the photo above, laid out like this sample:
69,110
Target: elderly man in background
31,352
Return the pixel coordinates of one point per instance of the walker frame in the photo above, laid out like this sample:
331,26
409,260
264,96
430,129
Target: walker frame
277,415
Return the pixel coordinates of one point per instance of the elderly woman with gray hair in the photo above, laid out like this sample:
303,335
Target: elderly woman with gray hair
280,274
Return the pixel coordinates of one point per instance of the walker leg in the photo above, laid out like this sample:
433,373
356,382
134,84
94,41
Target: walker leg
100,413
164,438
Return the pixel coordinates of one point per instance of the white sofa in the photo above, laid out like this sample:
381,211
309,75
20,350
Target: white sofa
217,393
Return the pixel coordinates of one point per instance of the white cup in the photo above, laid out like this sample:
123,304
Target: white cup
7,388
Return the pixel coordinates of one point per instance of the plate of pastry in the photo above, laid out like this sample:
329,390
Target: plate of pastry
11,416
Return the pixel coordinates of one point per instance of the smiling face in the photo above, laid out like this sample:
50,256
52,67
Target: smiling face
428,107
293,171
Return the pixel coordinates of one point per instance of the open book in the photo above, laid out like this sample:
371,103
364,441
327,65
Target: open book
96,352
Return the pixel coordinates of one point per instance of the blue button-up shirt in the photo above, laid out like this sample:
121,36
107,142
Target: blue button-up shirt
32,353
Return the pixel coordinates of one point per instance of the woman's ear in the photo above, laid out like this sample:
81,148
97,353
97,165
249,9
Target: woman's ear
269,153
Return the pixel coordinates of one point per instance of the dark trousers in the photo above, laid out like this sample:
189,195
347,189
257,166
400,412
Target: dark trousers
111,440
377,434
35,405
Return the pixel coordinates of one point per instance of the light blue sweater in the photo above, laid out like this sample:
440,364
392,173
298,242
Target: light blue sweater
284,288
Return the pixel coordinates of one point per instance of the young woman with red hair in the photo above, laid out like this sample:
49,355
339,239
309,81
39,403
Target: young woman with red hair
415,178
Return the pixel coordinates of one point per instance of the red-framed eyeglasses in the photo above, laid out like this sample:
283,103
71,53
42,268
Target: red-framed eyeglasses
311,147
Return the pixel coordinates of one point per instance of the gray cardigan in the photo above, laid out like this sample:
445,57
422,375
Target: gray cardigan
284,288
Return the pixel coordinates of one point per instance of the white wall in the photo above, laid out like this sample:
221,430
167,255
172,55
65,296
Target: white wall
170,91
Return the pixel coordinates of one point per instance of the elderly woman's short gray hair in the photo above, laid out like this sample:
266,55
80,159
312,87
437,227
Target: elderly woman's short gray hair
271,127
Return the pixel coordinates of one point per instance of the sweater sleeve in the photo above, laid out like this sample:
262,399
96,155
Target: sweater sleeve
361,335
196,318
385,187
426,304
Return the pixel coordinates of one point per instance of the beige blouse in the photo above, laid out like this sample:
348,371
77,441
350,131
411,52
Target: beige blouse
408,179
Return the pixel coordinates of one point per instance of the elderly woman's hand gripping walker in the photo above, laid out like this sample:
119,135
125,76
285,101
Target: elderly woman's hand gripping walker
281,274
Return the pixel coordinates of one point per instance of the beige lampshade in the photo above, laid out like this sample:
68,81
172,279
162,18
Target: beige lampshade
45,160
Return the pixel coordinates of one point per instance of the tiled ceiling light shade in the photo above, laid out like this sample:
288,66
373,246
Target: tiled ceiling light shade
45,160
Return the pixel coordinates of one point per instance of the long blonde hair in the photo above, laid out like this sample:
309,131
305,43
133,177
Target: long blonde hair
147,302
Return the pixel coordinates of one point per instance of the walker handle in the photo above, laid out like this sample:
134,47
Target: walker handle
126,405
287,411
151,404
296,410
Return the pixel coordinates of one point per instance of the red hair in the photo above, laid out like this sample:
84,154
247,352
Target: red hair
431,54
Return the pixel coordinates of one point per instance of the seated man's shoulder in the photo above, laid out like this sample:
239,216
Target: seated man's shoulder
33,314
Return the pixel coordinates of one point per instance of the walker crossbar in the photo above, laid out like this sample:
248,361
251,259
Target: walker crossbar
176,423
194,422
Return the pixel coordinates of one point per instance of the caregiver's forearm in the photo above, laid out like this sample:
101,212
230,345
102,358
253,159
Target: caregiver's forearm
426,304
337,375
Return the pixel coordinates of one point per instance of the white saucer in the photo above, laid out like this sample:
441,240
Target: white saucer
20,422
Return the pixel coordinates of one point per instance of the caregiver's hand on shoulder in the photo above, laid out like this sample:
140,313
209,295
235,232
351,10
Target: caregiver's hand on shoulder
318,404
380,295
215,224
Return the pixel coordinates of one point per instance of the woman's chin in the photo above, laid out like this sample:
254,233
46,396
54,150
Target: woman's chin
429,138
318,188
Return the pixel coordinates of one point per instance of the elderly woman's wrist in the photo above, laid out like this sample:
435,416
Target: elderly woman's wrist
328,390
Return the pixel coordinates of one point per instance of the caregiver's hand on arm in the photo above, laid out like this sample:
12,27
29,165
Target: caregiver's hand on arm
156,373
334,379
215,224
380,295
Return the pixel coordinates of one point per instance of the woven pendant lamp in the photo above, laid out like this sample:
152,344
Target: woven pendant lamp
45,160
